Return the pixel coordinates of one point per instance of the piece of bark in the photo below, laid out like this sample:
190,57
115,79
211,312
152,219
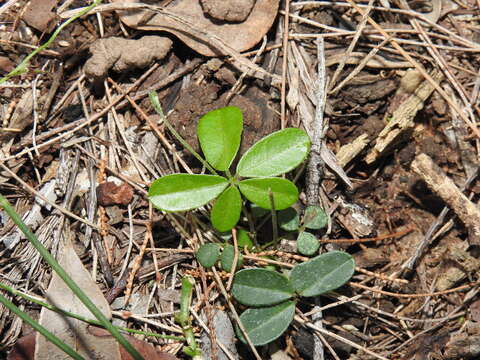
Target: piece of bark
349,151
444,187
463,265
410,98
464,344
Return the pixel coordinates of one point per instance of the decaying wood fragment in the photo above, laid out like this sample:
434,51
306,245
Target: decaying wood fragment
444,187
402,121
463,266
349,151
464,344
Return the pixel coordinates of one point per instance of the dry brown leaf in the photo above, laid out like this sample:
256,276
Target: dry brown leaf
240,36
71,331
39,14
145,349
6,65
24,348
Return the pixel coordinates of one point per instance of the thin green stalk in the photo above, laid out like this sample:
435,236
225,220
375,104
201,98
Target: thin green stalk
158,108
183,318
82,318
45,254
22,67
48,335
251,224
274,218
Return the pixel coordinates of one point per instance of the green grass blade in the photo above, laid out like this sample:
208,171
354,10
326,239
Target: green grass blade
22,67
50,337
82,318
45,254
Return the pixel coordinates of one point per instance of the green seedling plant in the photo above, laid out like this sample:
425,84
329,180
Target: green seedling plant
272,296
314,218
256,176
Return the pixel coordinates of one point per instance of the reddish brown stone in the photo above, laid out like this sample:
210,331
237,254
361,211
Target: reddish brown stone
108,193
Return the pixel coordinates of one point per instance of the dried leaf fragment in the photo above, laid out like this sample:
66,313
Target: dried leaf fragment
240,36
24,348
39,14
145,349
71,331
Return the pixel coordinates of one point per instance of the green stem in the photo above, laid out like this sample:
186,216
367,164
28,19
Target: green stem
48,335
45,254
183,318
22,67
274,218
158,108
251,224
81,318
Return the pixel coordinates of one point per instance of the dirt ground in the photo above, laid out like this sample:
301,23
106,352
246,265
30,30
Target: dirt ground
395,149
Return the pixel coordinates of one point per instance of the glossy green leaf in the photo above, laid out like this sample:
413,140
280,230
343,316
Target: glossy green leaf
315,218
285,193
261,287
226,260
244,240
208,254
307,243
288,219
226,210
219,133
181,192
323,273
275,154
264,325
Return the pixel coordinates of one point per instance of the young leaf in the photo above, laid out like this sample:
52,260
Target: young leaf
226,210
288,219
208,254
181,192
219,133
285,193
243,239
266,324
260,287
323,273
275,154
226,260
315,218
307,243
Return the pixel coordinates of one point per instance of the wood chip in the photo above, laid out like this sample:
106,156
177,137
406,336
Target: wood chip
444,187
